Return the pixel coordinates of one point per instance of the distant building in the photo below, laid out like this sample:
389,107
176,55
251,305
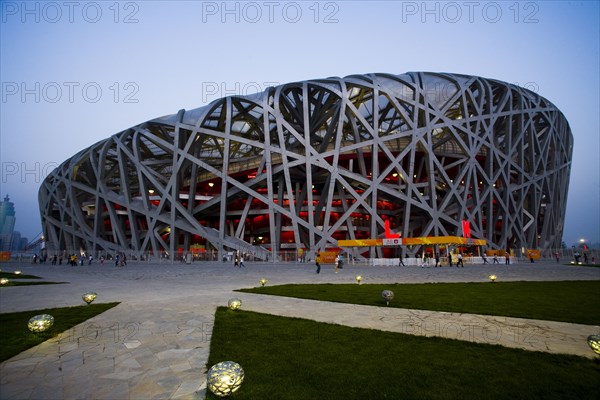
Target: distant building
23,244
9,239
7,217
7,224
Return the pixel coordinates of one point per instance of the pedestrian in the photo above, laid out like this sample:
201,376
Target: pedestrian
242,261
54,258
459,260
437,260
449,259
117,259
90,260
495,260
401,263
101,260
507,258
557,255
338,260
318,263
485,261
236,260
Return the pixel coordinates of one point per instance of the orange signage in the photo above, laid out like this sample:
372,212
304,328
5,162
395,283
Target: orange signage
360,243
412,241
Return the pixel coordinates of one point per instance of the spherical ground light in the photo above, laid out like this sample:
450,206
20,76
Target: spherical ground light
225,378
234,304
17,272
40,323
89,297
263,282
358,279
493,278
4,281
594,342
387,295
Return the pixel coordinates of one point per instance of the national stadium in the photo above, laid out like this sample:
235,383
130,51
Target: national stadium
305,167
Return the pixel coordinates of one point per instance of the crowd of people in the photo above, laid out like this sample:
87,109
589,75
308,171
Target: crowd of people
74,260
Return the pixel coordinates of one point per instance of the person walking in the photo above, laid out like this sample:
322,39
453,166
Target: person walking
449,259
242,261
495,259
437,260
507,258
401,263
338,263
485,261
557,255
459,260
318,263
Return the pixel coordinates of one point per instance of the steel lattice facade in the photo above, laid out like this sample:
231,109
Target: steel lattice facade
305,164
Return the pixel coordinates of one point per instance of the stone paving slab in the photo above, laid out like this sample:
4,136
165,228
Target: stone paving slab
155,344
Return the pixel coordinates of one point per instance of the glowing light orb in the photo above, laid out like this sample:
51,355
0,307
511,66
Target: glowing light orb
17,272
594,342
234,304
40,323
358,279
263,282
4,281
89,297
493,278
225,378
387,295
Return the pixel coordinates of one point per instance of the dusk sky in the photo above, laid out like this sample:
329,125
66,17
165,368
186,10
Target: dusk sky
74,73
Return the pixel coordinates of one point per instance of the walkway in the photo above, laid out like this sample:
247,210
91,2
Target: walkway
155,344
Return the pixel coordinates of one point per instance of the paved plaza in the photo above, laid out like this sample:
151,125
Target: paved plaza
155,344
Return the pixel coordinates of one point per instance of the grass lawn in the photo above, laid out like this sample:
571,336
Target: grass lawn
296,359
12,282
567,301
10,275
584,265
18,283
16,337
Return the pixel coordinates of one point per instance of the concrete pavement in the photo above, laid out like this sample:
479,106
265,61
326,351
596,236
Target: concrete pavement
155,344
